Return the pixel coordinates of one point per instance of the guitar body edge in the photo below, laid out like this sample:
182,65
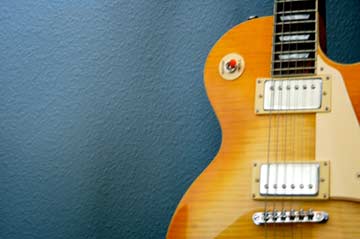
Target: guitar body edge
219,203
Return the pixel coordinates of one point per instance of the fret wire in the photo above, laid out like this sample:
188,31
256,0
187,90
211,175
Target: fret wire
295,74
294,33
297,11
294,60
294,42
284,28
288,1
295,51
295,22
295,68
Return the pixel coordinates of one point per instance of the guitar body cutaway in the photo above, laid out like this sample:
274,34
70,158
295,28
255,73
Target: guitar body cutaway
219,203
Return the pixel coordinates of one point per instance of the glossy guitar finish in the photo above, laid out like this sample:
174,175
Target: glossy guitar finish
219,203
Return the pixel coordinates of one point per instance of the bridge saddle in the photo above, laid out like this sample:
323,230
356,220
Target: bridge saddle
292,216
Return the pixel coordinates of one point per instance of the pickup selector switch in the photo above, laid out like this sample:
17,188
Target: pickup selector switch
231,66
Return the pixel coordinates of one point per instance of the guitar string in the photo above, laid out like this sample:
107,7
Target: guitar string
308,145
278,126
302,136
286,117
279,118
304,98
304,148
287,108
287,105
283,117
285,154
276,156
299,29
270,125
270,116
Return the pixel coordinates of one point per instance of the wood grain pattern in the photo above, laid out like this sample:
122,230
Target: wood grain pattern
219,204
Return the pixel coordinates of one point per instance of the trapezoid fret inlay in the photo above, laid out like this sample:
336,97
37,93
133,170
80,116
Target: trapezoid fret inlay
295,37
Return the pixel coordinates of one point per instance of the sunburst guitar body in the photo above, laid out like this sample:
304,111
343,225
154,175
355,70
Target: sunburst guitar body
289,172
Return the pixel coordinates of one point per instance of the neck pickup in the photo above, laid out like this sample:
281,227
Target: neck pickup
293,95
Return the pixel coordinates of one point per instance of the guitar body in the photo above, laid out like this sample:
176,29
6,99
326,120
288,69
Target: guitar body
219,203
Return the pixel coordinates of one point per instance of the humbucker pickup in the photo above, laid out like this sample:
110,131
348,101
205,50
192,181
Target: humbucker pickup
305,180
293,95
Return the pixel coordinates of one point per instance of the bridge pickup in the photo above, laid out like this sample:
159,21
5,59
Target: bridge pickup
293,95
278,181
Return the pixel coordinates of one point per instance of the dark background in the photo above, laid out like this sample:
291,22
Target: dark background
104,121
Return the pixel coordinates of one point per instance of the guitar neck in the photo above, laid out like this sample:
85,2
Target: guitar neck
295,37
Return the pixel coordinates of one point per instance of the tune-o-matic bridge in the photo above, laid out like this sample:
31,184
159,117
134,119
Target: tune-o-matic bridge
292,216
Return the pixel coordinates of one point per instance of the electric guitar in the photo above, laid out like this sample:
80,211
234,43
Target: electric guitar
288,166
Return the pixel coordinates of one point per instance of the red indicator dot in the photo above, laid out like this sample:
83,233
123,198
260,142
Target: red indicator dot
232,63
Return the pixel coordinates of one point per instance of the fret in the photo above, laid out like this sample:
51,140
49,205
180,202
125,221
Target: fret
294,42
311,26
295,37
298,64
295,51
293,73
297,11
289,46
295,22
282,1
294,33
295,5
293,60
295,68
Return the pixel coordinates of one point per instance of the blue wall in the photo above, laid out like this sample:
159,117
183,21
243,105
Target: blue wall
103,115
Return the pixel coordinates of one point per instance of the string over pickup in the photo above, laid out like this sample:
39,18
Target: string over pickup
293,95
302,180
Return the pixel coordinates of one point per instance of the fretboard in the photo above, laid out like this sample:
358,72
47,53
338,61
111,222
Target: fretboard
295,37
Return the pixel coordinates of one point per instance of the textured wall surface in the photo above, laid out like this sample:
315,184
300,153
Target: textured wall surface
103,115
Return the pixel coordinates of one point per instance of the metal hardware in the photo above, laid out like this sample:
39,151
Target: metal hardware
292,216
277,181
302,95
292,173
252,17
231,66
